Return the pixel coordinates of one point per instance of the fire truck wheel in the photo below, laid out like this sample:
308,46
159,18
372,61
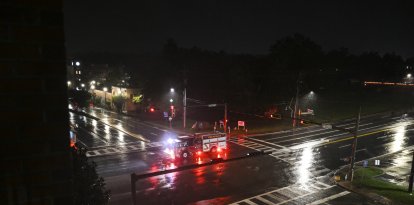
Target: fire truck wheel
185,155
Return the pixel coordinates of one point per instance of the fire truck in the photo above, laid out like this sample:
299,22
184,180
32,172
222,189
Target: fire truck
186,146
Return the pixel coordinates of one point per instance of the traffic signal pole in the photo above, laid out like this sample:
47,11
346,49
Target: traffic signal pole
225,118
184,107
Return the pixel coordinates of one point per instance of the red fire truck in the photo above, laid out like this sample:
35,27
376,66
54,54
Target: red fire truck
186,146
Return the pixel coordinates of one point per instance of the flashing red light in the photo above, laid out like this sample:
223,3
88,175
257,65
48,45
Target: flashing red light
152,109
219,149
198,153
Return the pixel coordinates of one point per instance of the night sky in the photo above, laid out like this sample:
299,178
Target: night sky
138,26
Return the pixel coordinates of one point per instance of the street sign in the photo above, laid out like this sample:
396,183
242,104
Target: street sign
308,112
165,114
365,164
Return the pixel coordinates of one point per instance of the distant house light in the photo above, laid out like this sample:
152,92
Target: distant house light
77,63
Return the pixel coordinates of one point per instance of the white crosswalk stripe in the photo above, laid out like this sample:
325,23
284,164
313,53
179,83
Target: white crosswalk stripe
289,156
286,194
123,149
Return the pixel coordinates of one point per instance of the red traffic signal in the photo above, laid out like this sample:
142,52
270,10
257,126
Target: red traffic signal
152,109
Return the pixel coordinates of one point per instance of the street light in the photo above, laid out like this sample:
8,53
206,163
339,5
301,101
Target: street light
69,83
83,85
409,75
311,92
172,90
77,63
93,82
171,100
92,87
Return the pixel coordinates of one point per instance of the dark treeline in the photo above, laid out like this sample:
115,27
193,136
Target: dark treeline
256,81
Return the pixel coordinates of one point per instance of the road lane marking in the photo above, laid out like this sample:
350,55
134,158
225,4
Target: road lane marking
266,143
326,141
153,134
320,201
322,129
382,137
329,137
347,145
287,197
360,150
264,200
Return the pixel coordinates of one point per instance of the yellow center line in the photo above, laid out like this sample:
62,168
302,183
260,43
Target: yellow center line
363,135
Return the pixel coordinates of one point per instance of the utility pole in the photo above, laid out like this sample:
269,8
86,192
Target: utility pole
410,183
185,107
354,145
225,118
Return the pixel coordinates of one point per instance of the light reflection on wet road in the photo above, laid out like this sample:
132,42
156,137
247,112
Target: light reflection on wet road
305,160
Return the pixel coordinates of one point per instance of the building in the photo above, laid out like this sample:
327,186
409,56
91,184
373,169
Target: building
35,154
127,93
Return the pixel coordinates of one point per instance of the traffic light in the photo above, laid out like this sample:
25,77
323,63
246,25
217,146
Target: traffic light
152,109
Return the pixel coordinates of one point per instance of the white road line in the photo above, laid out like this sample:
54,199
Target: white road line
382,137
328,131
329,137
249,202
268,143
321,141
264,200
320,201
256,146
347,145
298,133
153,134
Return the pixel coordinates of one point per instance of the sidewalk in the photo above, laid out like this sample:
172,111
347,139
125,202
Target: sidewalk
386,183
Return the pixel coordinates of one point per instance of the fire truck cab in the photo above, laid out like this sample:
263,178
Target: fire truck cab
186,146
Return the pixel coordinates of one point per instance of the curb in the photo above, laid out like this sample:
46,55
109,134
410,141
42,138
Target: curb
375,198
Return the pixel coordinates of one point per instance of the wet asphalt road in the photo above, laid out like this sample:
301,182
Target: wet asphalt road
297,171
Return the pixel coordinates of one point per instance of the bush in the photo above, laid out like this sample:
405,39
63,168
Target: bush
118,101
80,97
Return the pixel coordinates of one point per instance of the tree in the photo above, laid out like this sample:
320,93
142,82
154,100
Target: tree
80,97
296,53
88,185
